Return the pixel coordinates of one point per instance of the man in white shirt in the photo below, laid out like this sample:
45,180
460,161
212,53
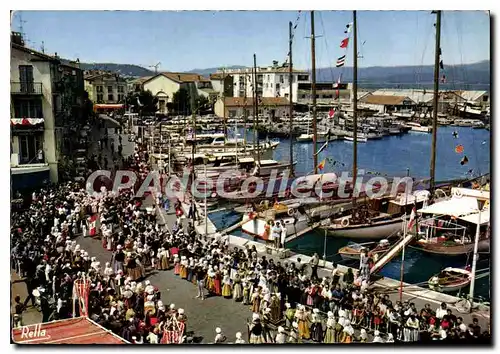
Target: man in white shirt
441,311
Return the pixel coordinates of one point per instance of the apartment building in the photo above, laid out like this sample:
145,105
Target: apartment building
46,101
106,87
272,81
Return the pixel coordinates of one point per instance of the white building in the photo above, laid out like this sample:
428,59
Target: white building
34,156
272,81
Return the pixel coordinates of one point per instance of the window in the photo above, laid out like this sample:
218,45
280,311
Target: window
120,97
28,109
29,145
267,85
99,88
110,89
303,77
286,95
26,78
120,89
282,79
100,98
277,87
110,97
485,98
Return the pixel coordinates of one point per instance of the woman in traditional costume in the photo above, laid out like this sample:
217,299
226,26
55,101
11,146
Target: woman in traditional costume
317,326
237,288
246,293
339,327
226,288
363,336
302,317
289,315
217,282
177,264
183,267
330,336
256,296
190,269
210,283
256,330
347,333
133,270
293,336
163,259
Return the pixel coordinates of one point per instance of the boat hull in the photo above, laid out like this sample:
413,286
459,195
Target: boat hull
374,231
459,250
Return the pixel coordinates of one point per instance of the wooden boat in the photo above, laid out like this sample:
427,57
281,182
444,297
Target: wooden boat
360,139
448,247
450,280
353,250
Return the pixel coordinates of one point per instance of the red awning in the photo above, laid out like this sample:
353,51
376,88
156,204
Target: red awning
108,106
26,121
79,330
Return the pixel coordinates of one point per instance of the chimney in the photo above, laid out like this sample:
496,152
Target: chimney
17,38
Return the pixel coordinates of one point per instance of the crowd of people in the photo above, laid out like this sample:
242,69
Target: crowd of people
288,301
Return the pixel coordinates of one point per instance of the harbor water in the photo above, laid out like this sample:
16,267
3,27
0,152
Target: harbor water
391,156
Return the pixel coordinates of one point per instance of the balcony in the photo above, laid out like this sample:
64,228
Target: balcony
26,88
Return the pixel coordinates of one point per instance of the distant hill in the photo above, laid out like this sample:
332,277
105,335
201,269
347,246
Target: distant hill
130,70
474,76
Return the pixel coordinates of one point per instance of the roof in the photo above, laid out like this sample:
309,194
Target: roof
475,218
218,76
265,101
471,95
265,70
184,77
91,77
385,100
418,96
79,330
456,206
34,52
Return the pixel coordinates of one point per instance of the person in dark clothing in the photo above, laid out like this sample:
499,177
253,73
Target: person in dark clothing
31,285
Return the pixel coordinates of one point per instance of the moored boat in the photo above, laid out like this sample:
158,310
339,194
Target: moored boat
450,280
353,250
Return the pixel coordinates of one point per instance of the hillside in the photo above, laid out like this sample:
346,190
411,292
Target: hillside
474,76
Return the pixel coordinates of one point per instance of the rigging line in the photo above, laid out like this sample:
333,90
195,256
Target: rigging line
415,74
458,25
326,45
427,34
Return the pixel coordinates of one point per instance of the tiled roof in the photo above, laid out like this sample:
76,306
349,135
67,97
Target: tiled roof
217,76
141,80
384,99
184,77
264,101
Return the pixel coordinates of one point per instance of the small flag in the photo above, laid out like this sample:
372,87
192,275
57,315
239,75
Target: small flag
441,65
464,161
340,61
459,149
348,27
321,165
331,113
344,43
455,134
413,216
443,79
337,84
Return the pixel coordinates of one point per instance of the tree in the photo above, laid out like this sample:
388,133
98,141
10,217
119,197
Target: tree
143,102
181,101
202,105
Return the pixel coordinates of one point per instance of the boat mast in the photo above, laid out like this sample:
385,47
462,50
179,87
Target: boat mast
256,115
290,83
313,87
224,107
355,107
435,101
245,115
475,256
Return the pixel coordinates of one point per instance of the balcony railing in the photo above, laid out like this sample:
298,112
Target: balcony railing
26,88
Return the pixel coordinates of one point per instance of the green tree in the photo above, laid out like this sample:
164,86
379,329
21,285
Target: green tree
181,101
202,104
143,102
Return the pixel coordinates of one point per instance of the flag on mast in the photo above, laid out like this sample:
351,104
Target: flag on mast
344,43
413,217
348,27
340,61
321,165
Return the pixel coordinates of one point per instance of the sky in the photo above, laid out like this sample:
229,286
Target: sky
188,40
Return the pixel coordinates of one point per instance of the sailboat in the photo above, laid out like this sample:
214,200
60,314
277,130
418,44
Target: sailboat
380,217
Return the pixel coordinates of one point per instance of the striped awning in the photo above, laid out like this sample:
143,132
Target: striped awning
26,121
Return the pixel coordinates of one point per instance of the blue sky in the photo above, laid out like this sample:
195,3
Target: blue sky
200,39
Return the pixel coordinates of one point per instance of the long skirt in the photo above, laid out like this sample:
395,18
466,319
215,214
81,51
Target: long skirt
218,287
246,296
104,240
309,301
134,273
329,335
177,268
183,272
210,285
304,330
317,332
163,264
237,292
226,290
255,339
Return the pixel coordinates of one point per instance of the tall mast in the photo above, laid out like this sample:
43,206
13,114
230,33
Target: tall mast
435,101
224,105
290,83
256,116
313,87
355,105
245,115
